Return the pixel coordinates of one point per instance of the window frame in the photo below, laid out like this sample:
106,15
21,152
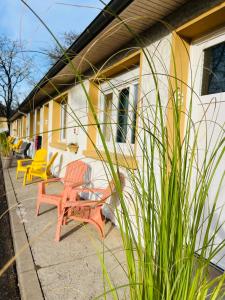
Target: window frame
128,146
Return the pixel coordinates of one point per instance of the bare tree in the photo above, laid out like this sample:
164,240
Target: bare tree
15,68
56,52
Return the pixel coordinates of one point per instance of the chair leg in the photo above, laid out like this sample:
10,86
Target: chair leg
17,174
101,230
59,210
59,226
102,233
25,178
66,215
101,225
37,207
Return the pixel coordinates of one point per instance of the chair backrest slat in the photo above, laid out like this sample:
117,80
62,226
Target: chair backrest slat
111,188
50,163
23,146
40,155
75,172
26,149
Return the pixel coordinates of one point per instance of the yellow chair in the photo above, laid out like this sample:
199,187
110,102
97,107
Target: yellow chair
10,139
40,158
44,171
17,145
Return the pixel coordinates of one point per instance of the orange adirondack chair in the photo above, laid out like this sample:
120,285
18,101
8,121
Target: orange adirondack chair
86,211
74,176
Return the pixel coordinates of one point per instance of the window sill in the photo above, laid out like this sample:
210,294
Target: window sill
125,161
58,145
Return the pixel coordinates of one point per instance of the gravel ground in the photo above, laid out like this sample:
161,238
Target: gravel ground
8,281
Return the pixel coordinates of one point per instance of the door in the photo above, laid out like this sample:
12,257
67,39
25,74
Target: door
207,57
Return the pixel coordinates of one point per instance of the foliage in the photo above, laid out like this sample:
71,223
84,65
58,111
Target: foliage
15,68
56,52
4,145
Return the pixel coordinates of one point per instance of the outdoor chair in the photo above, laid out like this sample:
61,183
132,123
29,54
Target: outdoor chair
10,139
17,145
13,142
22,152
42,171
74,176
39,159
86,211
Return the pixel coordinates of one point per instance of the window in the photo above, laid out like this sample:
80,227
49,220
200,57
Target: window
107,116
119,116
59,122
213,80
63,118
118,112
121,135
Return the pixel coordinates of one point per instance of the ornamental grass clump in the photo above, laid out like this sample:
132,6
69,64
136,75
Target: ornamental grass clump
168,223
4,145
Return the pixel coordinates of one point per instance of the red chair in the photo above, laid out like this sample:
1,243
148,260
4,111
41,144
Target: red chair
86,211
74,177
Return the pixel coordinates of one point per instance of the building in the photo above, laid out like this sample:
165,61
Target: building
3,120
182,40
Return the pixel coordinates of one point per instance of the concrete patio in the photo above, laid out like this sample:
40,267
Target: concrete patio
70,269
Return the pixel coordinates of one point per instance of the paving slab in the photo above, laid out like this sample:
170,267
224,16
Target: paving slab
71,268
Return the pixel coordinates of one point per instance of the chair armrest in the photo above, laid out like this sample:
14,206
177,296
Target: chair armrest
52,180
25,159
84,203
19,150
41,163
41,185
21,161
76,185
92,190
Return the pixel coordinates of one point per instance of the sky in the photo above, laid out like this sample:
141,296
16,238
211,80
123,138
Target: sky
18,23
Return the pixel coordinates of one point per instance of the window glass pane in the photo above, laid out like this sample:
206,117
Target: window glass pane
122,116
213,80
134,114
107,116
